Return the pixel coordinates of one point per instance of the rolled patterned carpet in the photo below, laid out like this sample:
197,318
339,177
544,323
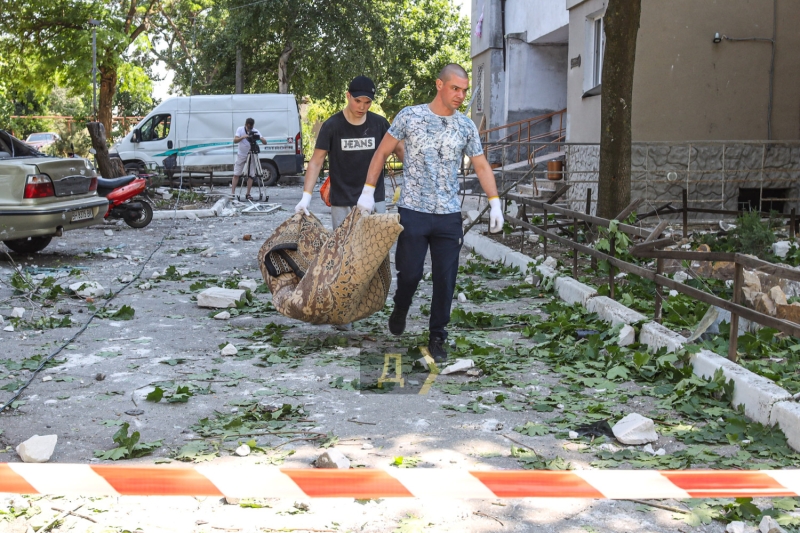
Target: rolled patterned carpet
325,277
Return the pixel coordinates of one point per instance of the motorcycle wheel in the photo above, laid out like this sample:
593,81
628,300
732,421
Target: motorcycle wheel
28,245
143,219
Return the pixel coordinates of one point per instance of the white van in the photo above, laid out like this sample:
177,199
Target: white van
200,130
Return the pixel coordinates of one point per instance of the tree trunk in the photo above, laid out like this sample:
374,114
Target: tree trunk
239,80
109,168
621,23
283,69
108,86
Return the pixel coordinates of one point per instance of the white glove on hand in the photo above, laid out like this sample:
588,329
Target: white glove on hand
366,202
495,215
304,203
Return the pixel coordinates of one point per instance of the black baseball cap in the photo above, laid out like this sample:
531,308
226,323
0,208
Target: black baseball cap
362,86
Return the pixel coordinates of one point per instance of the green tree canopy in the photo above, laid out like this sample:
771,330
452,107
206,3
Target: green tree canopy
311,48
45,44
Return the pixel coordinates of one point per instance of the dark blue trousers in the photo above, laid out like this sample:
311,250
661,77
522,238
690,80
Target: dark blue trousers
444,236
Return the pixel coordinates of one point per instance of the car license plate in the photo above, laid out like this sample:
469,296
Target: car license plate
83,214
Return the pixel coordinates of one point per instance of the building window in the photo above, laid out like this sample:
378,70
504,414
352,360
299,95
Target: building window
598,50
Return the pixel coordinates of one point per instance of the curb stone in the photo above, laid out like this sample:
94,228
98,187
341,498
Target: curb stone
757,393
763,400
572,291
656,336
613,311
191,214
786,415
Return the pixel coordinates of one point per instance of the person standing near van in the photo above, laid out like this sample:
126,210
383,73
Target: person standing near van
436,136
240,138
349,139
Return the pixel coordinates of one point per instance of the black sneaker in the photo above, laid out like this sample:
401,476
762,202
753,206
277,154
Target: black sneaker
437,351
397,321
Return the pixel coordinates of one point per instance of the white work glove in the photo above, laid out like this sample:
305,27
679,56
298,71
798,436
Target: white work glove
303,205
366,202
495,215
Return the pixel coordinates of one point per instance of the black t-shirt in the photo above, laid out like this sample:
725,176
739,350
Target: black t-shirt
350,149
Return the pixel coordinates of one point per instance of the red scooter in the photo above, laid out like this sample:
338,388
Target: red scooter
120,193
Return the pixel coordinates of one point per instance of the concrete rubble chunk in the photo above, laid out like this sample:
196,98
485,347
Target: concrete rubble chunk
551,262
627,335
723,270
769,525
777,295
208,252
333,458
491,424
8,328
751,286
222,316
243,450
680,277
462,298
229,349
459,365
789,312
37,449
155,275
127,278
735,527
16,502
47,378
250,284
17,312
108,232
764,304
219,298
87,289
781,248
635,429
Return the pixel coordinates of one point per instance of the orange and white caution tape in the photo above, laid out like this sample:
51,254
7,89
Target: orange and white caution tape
271,482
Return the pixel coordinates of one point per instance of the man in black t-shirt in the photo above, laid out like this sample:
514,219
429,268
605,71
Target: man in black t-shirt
349,139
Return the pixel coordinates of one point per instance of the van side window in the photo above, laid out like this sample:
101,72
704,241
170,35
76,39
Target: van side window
156,128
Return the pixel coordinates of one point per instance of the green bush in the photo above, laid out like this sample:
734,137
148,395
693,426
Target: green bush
752,236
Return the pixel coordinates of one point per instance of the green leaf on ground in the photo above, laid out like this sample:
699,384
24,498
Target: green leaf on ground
532,430
156,395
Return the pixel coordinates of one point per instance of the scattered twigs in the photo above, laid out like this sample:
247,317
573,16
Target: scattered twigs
521,444
479,513
73,513
354,421
295,440
662,506
54,522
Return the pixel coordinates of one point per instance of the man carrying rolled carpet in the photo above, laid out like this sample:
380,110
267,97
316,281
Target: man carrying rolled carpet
436,136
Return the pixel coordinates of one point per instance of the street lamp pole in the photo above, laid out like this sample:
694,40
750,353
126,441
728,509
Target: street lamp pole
94,24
